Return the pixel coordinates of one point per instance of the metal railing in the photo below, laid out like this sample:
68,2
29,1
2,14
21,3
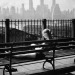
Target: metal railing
60,28
2,31
26,30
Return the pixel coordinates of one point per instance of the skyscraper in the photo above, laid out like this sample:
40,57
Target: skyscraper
31,11
31,5
42,10
41,2
54,2
53,5
22,10
12,10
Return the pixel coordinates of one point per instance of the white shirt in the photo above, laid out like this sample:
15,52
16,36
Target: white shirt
46,34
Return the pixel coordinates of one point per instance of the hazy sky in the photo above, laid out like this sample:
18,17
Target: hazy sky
64,4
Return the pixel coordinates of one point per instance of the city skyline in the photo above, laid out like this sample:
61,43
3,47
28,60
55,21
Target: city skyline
64,4
42,11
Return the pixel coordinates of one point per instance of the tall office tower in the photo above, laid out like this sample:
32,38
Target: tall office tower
31,5
41,2
22,11
53,5
42,11
54,2
12,10
0,10
31,11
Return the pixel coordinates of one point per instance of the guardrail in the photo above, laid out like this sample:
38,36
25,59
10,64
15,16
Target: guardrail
27,30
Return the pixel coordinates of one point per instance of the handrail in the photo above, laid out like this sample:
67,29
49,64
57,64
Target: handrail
36,41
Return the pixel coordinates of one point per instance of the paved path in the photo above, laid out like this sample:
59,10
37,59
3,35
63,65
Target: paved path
27,68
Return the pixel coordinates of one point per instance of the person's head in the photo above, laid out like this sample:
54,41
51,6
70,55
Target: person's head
47,34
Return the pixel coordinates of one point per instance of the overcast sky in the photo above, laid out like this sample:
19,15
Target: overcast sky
64,4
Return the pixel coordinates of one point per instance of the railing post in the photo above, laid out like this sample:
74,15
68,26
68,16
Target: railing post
44,23
73,27
7,32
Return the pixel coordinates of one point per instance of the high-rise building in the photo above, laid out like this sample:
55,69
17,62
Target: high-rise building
54,2
41,2
31,11
42,11
57,12
74,12
31,5
12,10
0,13
0,10
22,11
53,5
5,13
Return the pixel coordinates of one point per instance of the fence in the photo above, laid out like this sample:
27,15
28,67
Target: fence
60,28
2,31
25,30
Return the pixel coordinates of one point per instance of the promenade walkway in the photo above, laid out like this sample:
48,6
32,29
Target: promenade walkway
36,66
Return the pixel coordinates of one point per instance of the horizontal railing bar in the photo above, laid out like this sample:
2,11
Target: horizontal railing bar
65,43
40,41
65,47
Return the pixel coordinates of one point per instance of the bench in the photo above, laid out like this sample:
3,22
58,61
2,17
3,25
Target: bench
10,50
51,47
